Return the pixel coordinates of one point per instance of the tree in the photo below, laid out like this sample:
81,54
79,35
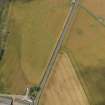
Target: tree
34,90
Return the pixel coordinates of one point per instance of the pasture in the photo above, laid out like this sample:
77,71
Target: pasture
34,28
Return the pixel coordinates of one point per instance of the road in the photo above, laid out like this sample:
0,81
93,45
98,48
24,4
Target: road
68,23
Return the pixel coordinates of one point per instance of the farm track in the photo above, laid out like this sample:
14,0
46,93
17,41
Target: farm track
68,23
64,87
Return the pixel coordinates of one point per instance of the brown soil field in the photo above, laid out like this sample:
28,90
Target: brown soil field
96,6
86,44
63,87
87,39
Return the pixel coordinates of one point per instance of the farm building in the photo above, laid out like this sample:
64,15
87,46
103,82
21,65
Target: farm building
5,100
22,102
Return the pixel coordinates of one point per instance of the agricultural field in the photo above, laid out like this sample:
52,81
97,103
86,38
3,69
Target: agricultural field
4,4
85,45
95,6
34,28
63,87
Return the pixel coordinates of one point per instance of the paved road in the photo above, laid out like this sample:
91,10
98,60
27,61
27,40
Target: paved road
67,25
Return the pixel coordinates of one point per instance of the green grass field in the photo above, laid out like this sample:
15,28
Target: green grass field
86,48
34,28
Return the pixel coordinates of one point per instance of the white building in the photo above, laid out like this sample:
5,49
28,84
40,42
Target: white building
22,102
6,100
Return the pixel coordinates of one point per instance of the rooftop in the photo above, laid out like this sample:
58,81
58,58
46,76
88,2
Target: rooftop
22,102
15,101
5,100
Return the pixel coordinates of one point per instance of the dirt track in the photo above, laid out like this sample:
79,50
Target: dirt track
64,88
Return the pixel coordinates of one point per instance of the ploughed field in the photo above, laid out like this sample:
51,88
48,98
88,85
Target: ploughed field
85,45
34,28
95,6
63,87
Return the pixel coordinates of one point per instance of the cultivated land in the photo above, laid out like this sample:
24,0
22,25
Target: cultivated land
86,46
95,6
33,31
63,87
34,28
